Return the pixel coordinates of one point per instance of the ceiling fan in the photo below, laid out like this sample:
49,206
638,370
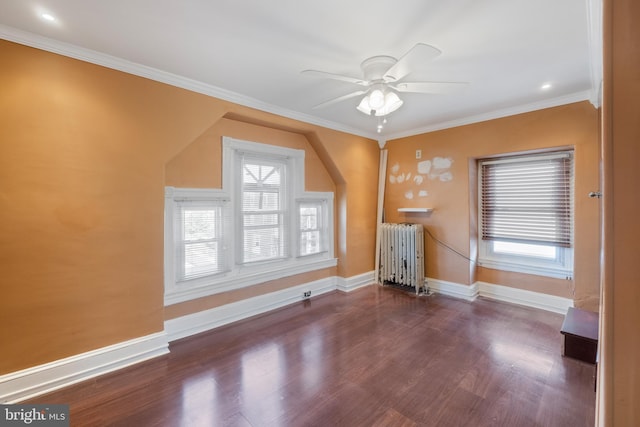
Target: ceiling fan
382,80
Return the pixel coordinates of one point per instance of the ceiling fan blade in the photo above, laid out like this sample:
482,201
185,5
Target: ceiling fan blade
340,98
323,74
418,54
430,87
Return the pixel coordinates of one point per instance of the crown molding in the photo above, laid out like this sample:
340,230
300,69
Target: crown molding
497,114
102,59
87,55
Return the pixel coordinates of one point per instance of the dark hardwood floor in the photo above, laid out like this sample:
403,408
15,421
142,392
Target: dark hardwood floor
373,357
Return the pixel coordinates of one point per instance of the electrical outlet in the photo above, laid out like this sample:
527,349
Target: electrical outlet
418,154
307,294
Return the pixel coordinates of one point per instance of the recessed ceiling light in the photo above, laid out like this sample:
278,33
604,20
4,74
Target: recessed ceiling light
546,86
48,17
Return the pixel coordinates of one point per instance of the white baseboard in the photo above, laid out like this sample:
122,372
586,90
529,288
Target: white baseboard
524,297
466,292
202,321
27,383
352,283
500,293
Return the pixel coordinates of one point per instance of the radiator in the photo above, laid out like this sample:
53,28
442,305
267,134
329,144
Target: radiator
402,255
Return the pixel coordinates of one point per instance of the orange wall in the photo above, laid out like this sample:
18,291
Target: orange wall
619,369
199,165
83,151
455,201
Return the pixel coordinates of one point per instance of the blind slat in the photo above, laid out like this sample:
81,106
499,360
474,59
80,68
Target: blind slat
263,207
200,244
528,200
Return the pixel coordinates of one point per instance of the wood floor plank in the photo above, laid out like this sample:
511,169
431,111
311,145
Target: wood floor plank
373,357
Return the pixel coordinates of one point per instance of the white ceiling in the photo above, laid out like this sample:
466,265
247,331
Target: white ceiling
252,51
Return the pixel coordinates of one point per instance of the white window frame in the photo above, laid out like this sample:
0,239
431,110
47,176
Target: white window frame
560,267
241,275
220,239
325,201
283,213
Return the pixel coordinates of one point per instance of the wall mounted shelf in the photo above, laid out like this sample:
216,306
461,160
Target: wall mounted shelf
415,210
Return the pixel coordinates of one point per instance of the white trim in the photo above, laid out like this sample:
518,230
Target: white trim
500,293
202,321
594,12
523,297
355,282
87,55
382,178
91,56
180,193
456,290
527,265
30,382
497,114
206,286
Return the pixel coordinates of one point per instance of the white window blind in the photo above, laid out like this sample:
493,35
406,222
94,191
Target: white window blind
528,199
263,201
200,227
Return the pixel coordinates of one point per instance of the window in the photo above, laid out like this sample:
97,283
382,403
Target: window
526,214
312,230
260,226
263,201
200,246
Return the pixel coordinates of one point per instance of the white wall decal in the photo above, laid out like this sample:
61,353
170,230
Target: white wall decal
424,167
442,163
447,176
440,169
437,168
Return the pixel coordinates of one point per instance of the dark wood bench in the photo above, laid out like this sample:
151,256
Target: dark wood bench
580,330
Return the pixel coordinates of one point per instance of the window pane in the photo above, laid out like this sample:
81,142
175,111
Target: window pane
523,249
262,191
200,258
261,174
310,242
251,174
199,224
262,244
271,175
311,231
199,250
309,218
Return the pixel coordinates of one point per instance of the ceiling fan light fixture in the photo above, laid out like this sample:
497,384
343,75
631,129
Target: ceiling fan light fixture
364,106
391,102
377,99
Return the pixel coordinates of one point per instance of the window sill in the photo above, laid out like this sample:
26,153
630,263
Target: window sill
526,269
241,278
